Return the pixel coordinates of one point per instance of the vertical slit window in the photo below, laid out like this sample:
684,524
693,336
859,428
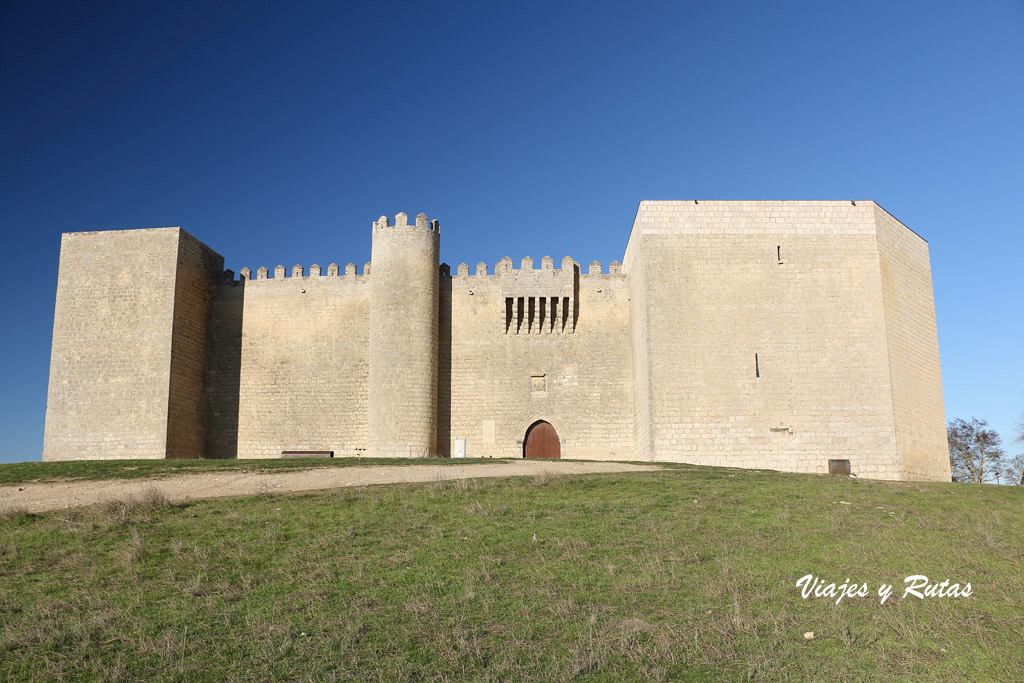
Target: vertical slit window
508,314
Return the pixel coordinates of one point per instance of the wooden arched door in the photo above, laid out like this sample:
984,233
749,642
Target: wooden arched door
542,442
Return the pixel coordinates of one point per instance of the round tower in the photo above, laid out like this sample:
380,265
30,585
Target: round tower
403,338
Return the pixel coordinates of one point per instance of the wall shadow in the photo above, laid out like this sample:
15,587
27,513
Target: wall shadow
223,371
575,295
444,367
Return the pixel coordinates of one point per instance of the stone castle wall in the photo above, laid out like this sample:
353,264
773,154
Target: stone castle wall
747,334
913,343
766,335
113,336
289,364
512,362
638,283
198,269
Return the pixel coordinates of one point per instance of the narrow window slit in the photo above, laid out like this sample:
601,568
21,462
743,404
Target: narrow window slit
508,314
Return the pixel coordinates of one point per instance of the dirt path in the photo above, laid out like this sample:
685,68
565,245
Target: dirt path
59,495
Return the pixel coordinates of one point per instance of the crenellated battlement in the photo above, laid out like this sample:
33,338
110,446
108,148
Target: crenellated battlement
535,300
503,268
614,268
402,221
506,267
245,275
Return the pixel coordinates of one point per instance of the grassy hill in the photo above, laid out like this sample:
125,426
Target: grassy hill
686,573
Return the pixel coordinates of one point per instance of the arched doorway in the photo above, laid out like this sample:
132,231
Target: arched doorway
542,442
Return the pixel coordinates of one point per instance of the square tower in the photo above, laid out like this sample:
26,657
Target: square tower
784,334
129,345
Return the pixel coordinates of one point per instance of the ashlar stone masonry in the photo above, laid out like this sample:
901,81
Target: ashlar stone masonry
768,334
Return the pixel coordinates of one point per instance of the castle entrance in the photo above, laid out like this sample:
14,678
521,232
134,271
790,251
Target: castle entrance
542,442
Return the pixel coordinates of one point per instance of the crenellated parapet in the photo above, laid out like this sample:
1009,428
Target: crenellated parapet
506,268
534,301
614,268
541,301
280,273
298,272
537,300
402,221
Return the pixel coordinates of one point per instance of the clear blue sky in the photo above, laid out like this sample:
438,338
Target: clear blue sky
277,131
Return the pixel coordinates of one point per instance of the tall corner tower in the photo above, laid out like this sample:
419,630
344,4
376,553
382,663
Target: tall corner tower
403,338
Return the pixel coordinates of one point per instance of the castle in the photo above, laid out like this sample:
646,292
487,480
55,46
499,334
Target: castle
770,334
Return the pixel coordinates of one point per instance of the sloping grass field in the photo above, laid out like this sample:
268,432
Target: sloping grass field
688,573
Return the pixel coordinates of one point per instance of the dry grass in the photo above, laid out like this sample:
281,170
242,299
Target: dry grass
135,509
12,511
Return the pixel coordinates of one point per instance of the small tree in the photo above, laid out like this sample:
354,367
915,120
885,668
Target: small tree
1014,473
974,451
